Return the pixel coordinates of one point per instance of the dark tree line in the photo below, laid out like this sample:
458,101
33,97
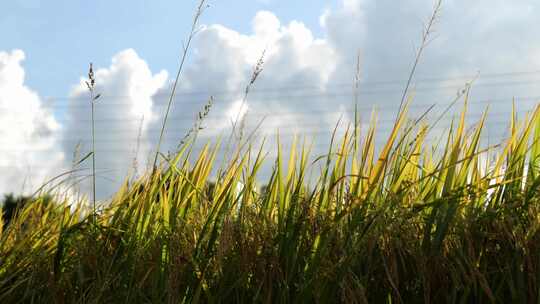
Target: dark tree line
12,203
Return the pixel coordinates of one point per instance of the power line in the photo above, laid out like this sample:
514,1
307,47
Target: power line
316,150
315,110
300,86
320,93
283,131
310,126
364,91
300,125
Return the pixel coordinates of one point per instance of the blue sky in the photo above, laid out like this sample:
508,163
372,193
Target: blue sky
305,86
61,37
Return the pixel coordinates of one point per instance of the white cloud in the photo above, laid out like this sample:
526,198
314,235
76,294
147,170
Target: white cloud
467,39
222,64
28,131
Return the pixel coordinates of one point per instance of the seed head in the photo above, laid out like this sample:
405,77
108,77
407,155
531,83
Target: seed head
91,79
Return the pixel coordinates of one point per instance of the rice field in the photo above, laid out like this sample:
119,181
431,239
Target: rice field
397,221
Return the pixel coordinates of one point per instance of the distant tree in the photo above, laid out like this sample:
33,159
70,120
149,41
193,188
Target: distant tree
10,205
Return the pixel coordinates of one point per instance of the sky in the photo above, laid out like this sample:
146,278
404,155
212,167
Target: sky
62,36
306,86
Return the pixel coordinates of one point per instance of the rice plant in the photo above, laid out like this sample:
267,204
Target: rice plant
409,224
91,85
185,49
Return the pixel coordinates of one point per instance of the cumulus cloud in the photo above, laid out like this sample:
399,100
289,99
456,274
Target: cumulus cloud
28,131
222,65
467,40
